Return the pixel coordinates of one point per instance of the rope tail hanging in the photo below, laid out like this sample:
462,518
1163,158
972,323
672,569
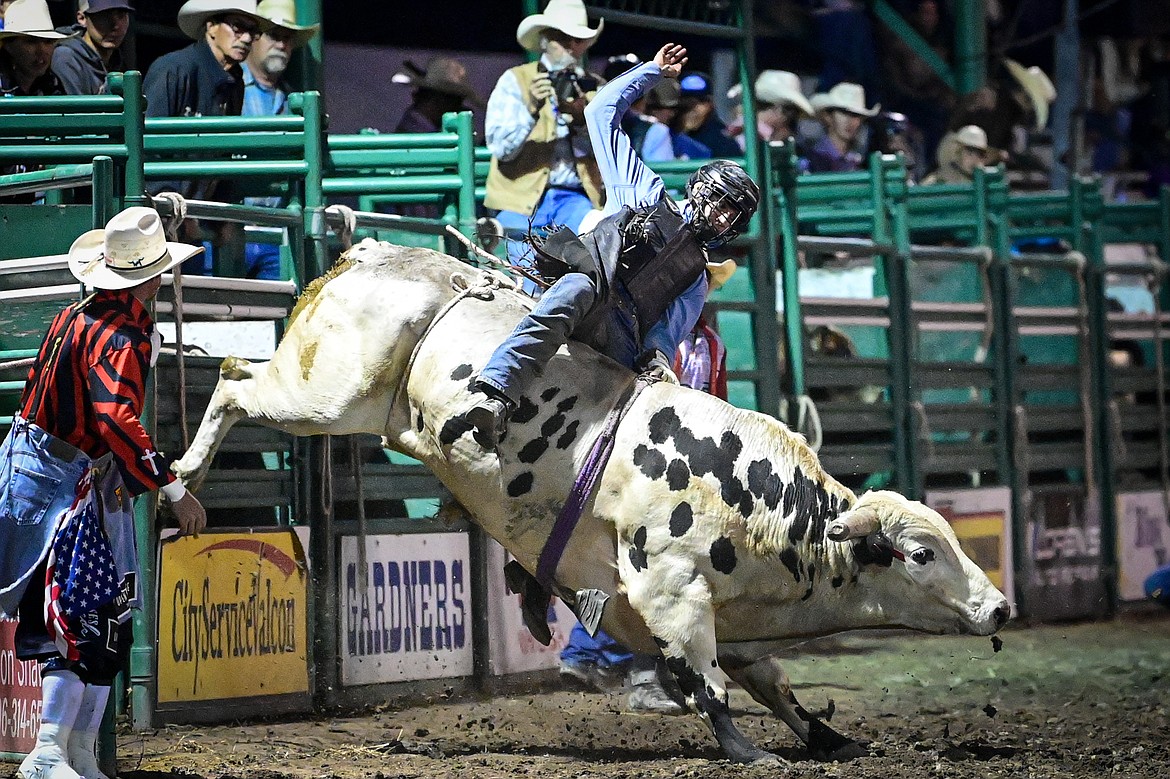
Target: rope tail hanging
171,225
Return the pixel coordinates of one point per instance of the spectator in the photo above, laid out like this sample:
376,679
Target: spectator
1004,109
959,154
842,111
542,170
662,103
650,138
266,94
206,79
83,62
697,119
441,88
26,51
780,103
83,455
846,43
701,360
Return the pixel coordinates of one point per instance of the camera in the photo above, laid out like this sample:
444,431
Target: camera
568,86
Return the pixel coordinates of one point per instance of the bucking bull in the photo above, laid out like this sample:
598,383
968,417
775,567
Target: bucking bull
713,530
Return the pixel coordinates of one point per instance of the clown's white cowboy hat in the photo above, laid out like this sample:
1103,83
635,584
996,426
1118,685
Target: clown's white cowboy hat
1038,86
129,250
972,136
719,273
846,97
31,19
194,14
777,87
283,15
568,16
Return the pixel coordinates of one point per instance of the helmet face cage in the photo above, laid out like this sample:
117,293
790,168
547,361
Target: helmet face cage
719,186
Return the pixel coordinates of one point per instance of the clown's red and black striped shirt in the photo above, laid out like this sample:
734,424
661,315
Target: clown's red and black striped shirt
94,397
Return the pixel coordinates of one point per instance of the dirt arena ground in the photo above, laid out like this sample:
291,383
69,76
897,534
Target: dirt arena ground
1077,700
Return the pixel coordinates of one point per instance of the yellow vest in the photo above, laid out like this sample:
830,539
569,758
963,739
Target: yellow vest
518,184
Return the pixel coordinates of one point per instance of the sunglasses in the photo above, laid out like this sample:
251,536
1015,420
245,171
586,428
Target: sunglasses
241,26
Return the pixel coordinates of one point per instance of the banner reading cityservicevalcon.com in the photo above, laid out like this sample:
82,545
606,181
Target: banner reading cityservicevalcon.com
232,617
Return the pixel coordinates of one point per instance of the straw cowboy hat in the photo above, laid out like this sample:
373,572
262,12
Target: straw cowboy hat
129,250
568,16
30,19
442,74
283,15
1037,85
777,87
846,97
194,14
972,136
719,273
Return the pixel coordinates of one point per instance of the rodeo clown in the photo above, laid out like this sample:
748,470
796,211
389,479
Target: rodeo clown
632,288
75,457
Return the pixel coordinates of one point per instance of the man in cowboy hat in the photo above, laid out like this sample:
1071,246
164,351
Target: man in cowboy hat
82,63
841,111
959,153
26,50
542,170
206,78
780,103
266,94
441,88
69,568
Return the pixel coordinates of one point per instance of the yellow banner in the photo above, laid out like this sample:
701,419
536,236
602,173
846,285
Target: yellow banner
981,536
232,617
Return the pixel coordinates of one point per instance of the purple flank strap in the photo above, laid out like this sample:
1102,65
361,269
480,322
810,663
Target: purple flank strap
570,514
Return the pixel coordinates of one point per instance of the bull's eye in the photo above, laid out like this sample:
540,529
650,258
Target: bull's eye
922,556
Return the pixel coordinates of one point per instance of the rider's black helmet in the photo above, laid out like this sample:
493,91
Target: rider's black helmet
720,184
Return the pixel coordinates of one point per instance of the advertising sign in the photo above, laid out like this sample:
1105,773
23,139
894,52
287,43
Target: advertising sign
20,695
982,519
232,617
512,647
407,614
1063,580
1143,540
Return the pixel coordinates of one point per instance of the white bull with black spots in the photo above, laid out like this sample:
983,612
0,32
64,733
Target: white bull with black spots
714,530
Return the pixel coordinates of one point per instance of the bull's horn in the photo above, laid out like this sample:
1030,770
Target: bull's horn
856,523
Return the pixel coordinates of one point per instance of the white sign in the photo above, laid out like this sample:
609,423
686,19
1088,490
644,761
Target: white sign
982,519
512,647
1143,540
409,616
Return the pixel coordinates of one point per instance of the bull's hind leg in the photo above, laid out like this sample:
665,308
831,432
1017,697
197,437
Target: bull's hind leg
765,680
228,406
682,621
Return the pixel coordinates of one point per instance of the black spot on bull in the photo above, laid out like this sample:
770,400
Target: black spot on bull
569,436
678,475
532,450
418,423
549,394
765,483
838,581
704,456
526,411
651,461
566,405
520,485
638,549
452,429
681,519
663,424
791,561
552,425
810,507
461,372
723,555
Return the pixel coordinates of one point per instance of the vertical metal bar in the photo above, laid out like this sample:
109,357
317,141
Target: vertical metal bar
143,682
1068,96
312,56
103,190
461,124
782,226
322,548
970,45
134,127
316,231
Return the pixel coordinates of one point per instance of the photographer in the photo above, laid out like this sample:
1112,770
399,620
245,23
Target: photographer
542,170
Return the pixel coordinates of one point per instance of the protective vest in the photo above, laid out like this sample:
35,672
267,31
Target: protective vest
641,259
518,184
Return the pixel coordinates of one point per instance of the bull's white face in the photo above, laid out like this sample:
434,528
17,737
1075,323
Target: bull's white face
936,588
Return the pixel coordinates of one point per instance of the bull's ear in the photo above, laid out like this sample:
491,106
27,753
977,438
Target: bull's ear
858,522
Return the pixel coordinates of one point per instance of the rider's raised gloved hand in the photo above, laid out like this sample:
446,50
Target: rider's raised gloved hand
656,365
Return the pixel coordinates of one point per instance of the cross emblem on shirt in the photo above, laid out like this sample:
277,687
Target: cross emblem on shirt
149,457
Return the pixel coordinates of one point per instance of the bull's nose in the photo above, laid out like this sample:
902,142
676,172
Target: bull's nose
1001,615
